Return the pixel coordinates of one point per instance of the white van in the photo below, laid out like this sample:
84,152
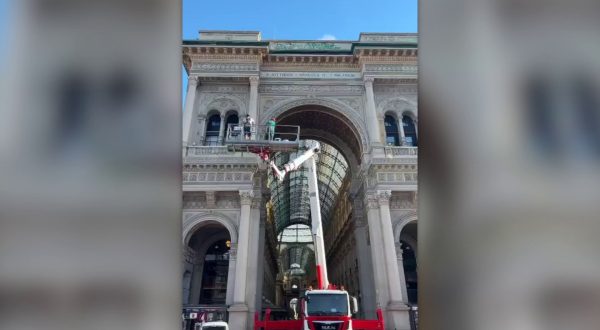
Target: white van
217,325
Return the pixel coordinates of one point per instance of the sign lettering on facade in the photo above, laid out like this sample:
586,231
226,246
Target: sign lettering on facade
310,46
311,75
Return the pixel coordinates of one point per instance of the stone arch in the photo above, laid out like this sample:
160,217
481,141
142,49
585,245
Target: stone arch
346,112
399,106
404,220
191,224
224,104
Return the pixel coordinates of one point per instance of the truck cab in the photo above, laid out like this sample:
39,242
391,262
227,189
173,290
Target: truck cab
326,309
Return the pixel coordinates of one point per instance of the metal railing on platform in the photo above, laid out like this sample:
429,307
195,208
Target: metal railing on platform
256,138
238,133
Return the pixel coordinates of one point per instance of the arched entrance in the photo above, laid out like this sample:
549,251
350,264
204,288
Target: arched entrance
207,269
408,244
342,147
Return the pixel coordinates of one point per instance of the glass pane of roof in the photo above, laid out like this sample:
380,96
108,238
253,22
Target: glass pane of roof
290,198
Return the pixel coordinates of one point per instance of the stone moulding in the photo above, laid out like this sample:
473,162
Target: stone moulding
224,67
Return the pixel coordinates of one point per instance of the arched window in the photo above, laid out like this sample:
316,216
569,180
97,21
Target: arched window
232,118
392,135
410,272
213,126
214,274
410,131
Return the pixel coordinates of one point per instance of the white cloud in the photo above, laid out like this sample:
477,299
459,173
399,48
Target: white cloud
327,37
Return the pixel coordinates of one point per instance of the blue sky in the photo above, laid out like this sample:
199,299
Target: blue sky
307,19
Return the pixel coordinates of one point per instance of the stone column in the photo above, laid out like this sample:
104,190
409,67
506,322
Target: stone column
365,265
371,114
201,130
239,310
188,109
255,259
397,310
416,123
231,274
376,241
400,260
253,103
401,130
222,130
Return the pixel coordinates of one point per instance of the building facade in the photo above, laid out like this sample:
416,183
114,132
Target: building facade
246,237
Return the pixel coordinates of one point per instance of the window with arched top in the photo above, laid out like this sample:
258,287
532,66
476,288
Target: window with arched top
232,118
213,127
392,134
214,274
410,131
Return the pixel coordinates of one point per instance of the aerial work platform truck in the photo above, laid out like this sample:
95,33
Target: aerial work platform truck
326,307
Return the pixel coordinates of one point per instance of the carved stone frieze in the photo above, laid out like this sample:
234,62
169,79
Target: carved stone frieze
403,200
395,90
194,200
216,177
210,199
397,177
391,68
227,200
224,67
204,88
312,89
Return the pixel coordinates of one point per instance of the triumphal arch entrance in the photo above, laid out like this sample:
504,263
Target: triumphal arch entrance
246,236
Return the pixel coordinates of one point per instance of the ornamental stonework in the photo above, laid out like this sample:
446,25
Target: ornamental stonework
224,67
392,68
216,177
240,89
313,89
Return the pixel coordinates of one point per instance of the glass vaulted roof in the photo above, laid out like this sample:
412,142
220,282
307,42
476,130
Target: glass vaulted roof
290,197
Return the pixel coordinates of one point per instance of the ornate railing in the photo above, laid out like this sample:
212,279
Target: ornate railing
204,150
393,151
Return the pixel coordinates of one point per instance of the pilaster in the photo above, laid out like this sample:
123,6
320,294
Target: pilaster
188,112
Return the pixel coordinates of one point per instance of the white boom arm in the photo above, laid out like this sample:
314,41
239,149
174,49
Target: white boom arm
315,206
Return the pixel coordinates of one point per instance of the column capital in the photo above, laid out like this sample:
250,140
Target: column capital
368,80
193,80
255,204
383,197
254,80
371,201
246,197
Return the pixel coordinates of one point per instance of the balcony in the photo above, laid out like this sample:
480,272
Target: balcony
394,152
